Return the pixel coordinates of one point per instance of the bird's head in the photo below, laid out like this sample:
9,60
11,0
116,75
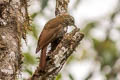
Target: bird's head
69,20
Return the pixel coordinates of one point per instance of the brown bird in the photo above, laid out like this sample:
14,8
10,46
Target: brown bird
50,32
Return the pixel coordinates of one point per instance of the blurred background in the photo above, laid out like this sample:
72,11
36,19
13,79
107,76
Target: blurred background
97,56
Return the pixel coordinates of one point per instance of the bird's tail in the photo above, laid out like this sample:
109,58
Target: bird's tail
43,59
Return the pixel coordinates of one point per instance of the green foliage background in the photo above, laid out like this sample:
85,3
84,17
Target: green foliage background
106,50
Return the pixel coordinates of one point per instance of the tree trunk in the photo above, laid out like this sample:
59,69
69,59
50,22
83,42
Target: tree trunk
13,21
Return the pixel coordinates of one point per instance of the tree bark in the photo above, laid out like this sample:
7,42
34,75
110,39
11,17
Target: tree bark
13,24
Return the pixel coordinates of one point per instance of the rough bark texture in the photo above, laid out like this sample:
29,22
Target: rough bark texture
56,59
13,22
61,7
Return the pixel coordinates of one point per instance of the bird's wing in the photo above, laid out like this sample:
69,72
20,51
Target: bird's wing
52,24
46,36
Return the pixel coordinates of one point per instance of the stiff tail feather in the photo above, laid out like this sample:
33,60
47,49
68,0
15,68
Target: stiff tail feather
43,58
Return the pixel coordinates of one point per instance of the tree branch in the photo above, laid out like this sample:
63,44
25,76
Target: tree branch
56,59
59,56
61,7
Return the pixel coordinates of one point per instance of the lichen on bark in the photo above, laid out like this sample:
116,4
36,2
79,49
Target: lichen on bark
12,29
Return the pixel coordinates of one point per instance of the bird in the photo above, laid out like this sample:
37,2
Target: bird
50,32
